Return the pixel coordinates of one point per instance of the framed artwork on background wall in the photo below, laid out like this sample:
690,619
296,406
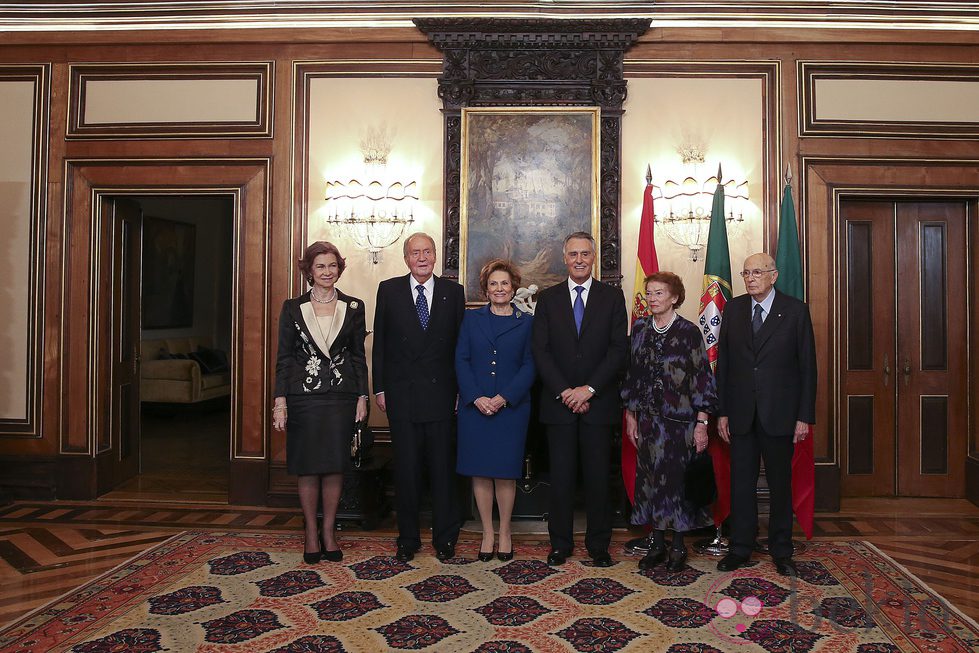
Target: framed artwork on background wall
168,273
529,178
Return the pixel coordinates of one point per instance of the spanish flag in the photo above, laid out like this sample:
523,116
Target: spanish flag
646,264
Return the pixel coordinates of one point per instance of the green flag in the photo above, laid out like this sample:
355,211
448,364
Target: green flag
717,264
788,261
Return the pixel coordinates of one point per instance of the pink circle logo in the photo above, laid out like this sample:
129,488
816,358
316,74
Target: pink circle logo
735,615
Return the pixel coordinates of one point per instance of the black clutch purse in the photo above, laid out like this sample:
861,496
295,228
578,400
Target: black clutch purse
361,443
698,480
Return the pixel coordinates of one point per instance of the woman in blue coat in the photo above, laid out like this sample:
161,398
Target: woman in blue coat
495,369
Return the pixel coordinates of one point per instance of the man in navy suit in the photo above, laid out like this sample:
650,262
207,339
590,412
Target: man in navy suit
581,349
766,386
416,324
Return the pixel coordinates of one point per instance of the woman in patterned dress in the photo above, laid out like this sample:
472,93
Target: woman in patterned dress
668,392
320,391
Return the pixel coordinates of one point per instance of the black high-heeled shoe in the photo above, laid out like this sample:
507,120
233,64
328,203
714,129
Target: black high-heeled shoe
330,556
506,556
312,558
333,556
484,556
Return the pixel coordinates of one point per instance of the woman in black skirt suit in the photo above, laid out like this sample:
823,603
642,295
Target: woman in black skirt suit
320,391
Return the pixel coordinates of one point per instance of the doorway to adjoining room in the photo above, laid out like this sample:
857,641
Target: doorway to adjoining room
174,417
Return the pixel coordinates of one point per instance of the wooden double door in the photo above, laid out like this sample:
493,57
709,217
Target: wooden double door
904,347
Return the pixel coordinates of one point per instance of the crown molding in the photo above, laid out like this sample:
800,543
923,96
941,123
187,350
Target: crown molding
142,15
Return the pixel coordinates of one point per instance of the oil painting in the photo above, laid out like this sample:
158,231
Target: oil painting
529,178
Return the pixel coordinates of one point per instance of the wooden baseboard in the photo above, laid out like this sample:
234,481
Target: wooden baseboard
28,477
248,482
972,479
827,488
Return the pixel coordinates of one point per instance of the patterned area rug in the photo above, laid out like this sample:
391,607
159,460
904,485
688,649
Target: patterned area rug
239,592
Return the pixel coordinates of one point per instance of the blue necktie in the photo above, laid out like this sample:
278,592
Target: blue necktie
422,307
756,320
579,308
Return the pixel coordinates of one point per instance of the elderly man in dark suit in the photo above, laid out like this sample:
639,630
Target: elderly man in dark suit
766,383
416,324
581,348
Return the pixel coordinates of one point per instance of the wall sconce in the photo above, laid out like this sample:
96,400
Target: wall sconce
377,210
686,201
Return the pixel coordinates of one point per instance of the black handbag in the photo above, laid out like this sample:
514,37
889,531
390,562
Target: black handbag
361,443
698,480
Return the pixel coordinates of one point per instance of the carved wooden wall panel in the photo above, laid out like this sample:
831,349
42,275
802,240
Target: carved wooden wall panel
535,63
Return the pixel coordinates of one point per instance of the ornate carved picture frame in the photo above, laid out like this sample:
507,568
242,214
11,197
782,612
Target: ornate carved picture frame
533,64
529,177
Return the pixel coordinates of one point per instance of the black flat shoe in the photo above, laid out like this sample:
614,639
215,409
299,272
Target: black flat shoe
446,552
602,559
786,566
731,562
556,558
333,556
653,558
678,560
484,556
505,556
405,554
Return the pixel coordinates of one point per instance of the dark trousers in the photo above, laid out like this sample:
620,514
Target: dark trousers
432,445
589,443
746,451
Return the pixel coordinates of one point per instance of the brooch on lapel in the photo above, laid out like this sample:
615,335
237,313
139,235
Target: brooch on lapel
354,305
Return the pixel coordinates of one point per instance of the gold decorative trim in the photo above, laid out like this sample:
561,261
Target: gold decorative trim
31,427
809,72
79,75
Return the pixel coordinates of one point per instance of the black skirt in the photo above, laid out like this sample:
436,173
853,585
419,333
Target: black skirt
318,433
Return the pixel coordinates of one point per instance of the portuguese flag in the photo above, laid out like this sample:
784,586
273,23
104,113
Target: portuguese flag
716,293
646,264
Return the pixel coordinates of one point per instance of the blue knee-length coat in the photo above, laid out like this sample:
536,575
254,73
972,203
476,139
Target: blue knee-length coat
493,357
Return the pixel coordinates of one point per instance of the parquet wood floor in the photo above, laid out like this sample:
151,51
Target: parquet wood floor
47,549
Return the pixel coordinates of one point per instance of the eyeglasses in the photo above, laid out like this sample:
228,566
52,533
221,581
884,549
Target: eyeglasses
754,274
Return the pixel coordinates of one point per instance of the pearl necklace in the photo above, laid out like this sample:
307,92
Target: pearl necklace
666,328
312,295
